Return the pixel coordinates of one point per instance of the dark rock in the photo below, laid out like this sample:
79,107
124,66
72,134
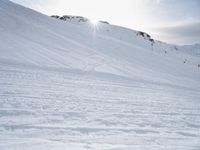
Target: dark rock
152,40
145,36
105,22
55,16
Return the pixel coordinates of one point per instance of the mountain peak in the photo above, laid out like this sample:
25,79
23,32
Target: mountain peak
72,18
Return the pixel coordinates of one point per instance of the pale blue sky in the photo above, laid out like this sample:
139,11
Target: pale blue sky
173,21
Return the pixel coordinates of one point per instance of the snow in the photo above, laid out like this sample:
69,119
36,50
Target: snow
73,85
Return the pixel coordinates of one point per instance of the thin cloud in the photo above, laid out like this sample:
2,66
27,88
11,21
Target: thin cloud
192,29
187,33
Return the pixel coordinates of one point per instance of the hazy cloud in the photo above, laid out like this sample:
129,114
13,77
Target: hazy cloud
187,33
192,29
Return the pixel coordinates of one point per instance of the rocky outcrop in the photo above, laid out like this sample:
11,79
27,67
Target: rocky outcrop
145,36
75,18
69,17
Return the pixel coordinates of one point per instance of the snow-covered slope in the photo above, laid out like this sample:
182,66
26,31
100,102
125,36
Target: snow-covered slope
67,84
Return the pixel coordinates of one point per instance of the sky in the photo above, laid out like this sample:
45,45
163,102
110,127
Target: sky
172,21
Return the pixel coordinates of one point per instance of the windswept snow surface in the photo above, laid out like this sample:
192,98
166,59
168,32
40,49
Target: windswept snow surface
71,85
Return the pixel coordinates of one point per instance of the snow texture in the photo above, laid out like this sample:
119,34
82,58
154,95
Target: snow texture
72,85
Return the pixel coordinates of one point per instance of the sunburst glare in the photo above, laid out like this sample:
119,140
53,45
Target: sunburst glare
94,22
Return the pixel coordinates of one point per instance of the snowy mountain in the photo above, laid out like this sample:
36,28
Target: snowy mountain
68,84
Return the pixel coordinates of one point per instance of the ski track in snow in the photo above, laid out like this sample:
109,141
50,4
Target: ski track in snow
67,110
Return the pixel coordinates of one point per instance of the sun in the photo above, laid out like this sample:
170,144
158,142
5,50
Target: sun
94,21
